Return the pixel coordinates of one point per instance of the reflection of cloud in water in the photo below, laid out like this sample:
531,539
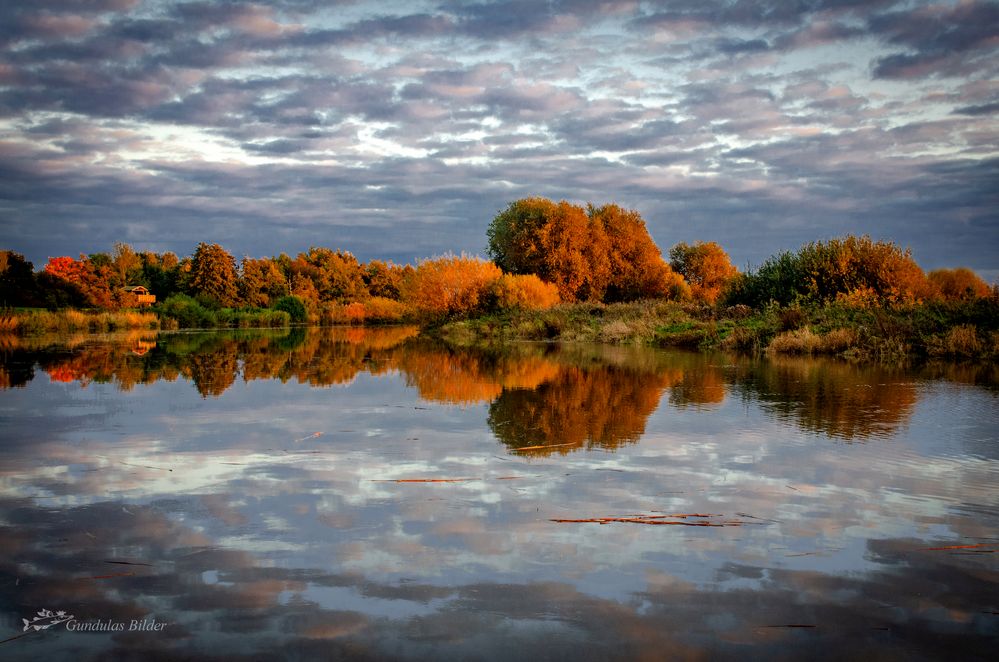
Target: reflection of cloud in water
216,599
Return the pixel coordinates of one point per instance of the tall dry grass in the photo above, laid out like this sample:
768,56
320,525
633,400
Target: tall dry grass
34,322
806,341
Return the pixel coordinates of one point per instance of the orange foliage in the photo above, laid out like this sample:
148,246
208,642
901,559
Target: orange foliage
527,292
635,265
706,266
355,312
88,283
450,286
384,279
957,284
605,254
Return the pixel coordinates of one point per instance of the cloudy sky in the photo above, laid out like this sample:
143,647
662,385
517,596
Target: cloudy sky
398,129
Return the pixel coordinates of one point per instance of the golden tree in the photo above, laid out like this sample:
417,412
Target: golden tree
213,274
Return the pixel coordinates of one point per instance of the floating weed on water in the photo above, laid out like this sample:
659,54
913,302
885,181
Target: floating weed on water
424,480
949,547
534,448
111,576
676,519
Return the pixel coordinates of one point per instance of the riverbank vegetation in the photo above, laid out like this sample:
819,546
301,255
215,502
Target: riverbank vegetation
557,271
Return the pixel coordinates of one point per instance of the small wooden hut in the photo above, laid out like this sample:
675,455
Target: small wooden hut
140,296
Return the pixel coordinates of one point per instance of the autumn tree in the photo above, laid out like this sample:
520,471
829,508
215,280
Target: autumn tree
603,254
83,282
337,275
261,282
705,266
127,265
213,274
958,284
384,279
635,265
862,271
548,239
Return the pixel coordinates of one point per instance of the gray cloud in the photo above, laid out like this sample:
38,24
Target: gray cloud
277,127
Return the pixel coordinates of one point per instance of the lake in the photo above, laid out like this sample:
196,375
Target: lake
365,493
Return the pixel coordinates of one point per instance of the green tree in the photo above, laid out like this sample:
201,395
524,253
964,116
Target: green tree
295,308
213,274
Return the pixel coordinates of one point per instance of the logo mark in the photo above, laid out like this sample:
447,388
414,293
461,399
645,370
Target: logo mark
46,619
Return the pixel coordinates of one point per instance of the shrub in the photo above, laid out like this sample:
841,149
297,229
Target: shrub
188,312
450,287
381,309
294,307
524,292
963,341
958,284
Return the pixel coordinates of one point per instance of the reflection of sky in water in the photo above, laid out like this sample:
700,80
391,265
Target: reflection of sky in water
263,537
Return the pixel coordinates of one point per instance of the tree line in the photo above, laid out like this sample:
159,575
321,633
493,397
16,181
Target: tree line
542,253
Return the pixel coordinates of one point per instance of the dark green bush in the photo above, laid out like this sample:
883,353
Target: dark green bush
188,312
295,308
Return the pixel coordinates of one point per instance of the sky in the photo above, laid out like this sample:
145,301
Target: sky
398,130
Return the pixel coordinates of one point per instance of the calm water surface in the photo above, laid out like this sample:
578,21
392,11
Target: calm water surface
368,494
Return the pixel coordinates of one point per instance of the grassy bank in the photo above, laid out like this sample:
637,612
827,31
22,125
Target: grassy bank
34,322
960,330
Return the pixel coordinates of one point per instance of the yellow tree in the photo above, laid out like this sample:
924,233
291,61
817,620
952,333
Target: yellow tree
261,282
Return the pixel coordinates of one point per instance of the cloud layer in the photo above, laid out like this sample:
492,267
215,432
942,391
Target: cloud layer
398,130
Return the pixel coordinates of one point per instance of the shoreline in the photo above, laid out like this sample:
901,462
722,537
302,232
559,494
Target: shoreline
964,330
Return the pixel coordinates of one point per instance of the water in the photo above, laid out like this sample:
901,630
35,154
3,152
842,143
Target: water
364,493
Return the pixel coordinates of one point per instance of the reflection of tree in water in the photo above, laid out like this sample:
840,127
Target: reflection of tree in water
465,377
698,385
601,406
212,360
832,398
212,372
540,395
